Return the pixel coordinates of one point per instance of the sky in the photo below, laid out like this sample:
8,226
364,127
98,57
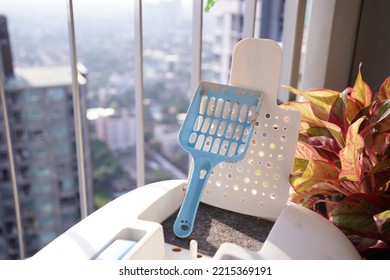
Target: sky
84,6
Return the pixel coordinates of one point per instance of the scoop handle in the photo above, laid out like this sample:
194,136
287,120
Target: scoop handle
184,222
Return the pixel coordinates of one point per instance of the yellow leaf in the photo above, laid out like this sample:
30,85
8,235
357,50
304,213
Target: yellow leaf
351,168
384,92
306,111
307,152
361,91
317,171
321,100
309,120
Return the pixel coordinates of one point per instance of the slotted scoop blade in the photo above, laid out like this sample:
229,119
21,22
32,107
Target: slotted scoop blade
217,128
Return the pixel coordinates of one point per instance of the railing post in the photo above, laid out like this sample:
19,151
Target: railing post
196,44
293,26
77,113
249,19
139,94
19,227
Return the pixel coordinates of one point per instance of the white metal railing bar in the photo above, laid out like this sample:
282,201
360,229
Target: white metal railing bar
249,19
139,94
12,169
293,27
77,113
196,44
332,31
196,51
318,42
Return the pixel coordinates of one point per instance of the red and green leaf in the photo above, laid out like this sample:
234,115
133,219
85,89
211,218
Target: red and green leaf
355,215
338,112
353,108
378,179
382,221
336,132
325,143
379,118
303,153
310,197
317,171
350,155
309,121
321,100
307,152
384,91
361,91
318,131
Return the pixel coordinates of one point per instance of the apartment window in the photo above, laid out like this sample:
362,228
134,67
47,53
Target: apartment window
38,152
9,227
68,201
46,237
5,191
41,188
21,154
4,175
14,96
24,171
57,112
63,150
28,208
31,95
70,217
36,135
56,94
20,135
44,206
45,222
3,156
237,22
40,171
59,131
220,21
66,184
17,116
35,114
2,244
26,189
8,212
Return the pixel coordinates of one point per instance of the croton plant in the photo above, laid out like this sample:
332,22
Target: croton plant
343,161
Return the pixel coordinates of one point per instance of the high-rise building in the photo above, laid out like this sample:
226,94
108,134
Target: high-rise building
40,112
116,130
229,28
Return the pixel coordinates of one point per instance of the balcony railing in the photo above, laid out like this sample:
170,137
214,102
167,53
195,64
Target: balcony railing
293,31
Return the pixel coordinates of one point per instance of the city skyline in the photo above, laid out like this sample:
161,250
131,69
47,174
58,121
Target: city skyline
37,45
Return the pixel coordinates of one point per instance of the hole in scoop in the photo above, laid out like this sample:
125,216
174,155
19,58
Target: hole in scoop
202,174
176,249
185,227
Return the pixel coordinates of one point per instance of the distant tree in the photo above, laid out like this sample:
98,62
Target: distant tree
156,176
180,160
105,166
121,100
173,106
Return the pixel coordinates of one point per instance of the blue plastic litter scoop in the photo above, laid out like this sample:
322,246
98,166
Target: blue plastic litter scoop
217,128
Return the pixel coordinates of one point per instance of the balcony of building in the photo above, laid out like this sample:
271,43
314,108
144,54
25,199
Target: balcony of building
46,144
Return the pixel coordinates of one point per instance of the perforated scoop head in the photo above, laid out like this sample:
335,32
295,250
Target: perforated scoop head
218,127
